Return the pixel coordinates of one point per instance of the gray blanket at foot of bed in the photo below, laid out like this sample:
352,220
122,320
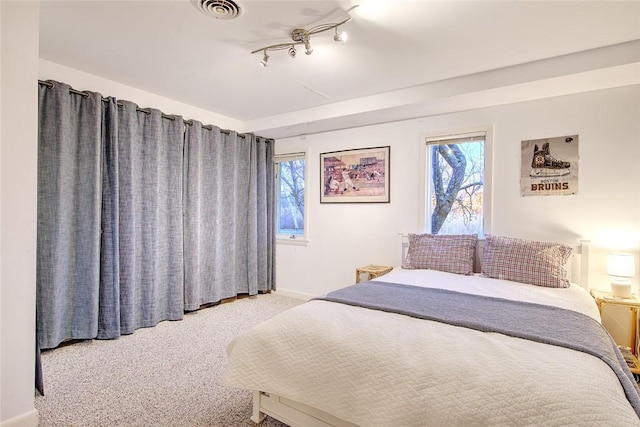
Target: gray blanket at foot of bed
535,322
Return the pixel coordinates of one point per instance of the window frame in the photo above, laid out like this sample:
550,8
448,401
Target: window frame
285,238
456,133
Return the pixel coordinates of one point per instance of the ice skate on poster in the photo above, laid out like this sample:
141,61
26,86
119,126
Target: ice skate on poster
544,164
549,166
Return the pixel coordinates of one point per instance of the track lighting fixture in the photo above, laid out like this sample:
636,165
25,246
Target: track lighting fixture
301,36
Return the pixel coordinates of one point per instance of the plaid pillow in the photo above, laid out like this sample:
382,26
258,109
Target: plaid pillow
526,261
450,253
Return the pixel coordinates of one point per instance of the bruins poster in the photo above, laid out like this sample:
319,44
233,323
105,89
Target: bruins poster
549,166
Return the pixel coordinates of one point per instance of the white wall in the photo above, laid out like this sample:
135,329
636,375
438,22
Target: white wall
80,80
606,209
18,183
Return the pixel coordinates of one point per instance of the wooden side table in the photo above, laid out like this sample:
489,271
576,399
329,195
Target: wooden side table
372,271
604,298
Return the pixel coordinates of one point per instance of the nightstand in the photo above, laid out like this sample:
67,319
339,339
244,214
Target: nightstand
372,271
606,298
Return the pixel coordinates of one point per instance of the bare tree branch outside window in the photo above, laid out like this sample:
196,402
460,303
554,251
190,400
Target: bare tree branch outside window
291,200
457,175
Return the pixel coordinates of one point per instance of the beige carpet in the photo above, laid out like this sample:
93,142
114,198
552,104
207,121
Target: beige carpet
168,375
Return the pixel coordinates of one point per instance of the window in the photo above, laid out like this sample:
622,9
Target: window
455,184
290,194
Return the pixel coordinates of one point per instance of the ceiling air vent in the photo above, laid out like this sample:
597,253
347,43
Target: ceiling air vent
221,9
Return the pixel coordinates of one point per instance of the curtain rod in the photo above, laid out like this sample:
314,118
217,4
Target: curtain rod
143,110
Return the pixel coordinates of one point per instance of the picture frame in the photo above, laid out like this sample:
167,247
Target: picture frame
355,176
550,166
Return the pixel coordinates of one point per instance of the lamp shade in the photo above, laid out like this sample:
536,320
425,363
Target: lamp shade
621,265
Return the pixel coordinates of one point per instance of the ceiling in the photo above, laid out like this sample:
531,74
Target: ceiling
403,58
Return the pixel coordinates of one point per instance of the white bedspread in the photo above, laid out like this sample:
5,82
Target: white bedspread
374,368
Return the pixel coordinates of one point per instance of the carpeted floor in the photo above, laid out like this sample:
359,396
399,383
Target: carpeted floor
168,375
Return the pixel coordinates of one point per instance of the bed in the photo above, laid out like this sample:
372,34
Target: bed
432,343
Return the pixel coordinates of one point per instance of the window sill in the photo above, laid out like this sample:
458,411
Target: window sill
292,242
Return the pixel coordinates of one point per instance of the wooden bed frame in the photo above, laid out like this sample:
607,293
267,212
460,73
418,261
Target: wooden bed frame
292,413
297,414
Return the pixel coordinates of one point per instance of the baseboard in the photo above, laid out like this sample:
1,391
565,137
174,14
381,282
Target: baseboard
294,294
28,419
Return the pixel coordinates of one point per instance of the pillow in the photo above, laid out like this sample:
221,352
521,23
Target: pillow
526,261
450,253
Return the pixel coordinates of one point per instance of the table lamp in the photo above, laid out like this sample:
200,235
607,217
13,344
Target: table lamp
621,267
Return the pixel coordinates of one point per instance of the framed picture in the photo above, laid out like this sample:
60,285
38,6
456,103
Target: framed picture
549,166
355,176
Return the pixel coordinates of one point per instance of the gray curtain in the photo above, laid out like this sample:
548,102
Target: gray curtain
109,298
261,214
138,221
69,212
228,215
150,217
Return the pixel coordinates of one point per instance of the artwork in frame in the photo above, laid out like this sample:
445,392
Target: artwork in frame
355,176
549,166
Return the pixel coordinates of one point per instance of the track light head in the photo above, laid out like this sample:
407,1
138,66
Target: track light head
292,51
340,36
265,59
307,47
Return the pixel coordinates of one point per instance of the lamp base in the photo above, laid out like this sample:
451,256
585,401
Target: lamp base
622,290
